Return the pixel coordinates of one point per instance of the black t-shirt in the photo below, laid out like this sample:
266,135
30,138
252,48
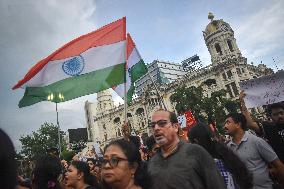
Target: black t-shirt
275,135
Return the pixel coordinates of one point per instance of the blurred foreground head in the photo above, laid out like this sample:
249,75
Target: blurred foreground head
8,165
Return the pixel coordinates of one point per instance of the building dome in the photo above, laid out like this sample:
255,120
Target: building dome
215,25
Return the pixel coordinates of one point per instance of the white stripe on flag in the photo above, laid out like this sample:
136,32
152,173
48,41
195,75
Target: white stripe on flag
94,58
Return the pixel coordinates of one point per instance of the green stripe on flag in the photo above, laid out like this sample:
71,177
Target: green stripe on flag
76,86
137,70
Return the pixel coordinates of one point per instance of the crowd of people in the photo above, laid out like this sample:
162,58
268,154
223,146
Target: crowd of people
165,160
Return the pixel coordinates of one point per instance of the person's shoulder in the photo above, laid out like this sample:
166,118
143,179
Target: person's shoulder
252,137
255,139
193,149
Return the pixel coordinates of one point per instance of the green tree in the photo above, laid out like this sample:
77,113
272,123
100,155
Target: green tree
210,109
39,141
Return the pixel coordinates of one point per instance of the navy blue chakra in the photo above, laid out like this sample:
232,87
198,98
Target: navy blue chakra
74,66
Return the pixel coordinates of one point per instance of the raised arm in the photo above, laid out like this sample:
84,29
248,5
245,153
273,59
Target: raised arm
250,122
279,167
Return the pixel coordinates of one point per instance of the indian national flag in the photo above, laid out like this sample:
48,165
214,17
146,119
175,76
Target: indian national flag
86,65
135,69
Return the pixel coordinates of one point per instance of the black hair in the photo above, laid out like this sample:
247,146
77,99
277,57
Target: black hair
218,150
239,118
52,151
150,142
8,165
83,167
173,117
141,176
47,170
92,160
274,106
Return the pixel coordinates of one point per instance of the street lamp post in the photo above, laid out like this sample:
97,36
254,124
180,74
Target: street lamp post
61,98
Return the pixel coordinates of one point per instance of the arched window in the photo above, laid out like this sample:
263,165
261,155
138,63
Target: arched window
218,49
230,45
140,111
129,115
116,120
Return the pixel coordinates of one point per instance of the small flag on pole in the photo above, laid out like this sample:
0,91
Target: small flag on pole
135,68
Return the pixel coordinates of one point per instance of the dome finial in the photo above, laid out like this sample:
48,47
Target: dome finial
210,16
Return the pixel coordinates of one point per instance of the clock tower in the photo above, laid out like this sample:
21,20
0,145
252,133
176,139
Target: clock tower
220,41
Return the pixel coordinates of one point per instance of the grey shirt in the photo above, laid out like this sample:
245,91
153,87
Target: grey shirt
189,166
256,154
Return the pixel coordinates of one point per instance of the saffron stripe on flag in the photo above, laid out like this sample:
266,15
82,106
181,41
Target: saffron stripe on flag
109,34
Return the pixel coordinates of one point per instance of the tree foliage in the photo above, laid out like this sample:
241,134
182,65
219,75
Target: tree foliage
39,141
210,109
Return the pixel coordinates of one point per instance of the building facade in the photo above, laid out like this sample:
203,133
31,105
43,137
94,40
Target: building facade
160,72
227,70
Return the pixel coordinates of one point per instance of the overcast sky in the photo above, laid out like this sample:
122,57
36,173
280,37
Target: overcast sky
162,29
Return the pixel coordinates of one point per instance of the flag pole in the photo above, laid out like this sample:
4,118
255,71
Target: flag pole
59,140
125,89
125,102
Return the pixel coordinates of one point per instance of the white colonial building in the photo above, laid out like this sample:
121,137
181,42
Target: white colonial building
227,69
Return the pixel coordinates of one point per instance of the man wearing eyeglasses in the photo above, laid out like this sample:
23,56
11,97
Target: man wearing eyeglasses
179,164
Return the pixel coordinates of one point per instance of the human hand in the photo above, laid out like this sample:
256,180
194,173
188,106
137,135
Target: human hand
242,95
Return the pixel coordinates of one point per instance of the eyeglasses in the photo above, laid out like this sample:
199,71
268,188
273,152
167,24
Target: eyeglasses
160,123
113,161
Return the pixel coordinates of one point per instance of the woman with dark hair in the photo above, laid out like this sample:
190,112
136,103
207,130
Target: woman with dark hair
233,170
78,176
46,173
122,167
8,164
91,163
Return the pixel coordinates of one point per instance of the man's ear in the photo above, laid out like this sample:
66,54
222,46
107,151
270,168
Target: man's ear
239,125
177,127
80,175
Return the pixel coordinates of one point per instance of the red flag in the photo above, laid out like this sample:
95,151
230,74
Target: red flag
190,120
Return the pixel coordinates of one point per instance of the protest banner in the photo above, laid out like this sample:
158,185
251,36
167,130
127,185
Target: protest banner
264,90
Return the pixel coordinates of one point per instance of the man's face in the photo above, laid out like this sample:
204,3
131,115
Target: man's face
277,115
125,129
165,132
230,126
